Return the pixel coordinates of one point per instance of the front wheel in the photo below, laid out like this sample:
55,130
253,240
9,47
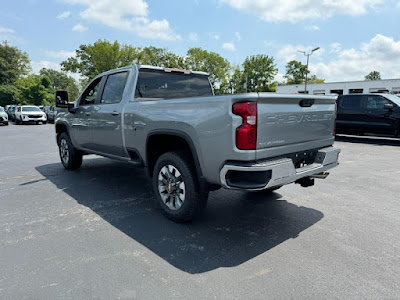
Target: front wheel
177,188
70,157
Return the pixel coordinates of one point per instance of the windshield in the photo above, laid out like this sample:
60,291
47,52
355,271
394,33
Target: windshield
159,84
30,108
1,109
393,98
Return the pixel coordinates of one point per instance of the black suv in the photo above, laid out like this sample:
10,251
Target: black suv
375,114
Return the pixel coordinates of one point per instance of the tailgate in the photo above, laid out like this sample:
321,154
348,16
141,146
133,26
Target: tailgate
294,119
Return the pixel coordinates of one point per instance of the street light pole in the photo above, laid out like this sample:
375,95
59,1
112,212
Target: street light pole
308,58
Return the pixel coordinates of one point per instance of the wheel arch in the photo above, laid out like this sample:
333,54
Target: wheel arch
60,128
178,140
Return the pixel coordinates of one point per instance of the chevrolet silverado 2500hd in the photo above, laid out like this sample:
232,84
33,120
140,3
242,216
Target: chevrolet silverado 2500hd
190,141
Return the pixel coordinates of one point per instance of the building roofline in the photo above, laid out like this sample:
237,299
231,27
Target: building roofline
354,81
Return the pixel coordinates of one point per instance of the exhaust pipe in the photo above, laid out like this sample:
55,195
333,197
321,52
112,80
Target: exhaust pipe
321,175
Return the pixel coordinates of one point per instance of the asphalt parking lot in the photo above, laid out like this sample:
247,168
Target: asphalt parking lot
97,233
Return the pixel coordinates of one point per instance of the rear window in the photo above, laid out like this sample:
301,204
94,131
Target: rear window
162,85
350,102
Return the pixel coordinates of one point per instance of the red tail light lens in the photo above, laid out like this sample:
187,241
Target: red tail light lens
246,134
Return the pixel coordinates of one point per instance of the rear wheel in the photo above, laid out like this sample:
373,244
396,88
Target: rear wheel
177,188
70,157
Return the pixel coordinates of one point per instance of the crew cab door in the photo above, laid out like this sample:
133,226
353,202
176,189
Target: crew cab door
107,118
351,116
82,123
379,117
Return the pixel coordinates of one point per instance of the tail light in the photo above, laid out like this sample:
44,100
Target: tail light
334,125
246,134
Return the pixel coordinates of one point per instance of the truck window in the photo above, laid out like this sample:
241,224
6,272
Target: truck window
376,102
114,88
90,94
350,102
162,85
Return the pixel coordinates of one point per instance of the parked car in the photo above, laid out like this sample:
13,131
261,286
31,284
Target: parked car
190,141
51,114
11,112
29,113
368,114
3,116
46,110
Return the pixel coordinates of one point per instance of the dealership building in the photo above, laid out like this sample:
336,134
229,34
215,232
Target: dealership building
343,88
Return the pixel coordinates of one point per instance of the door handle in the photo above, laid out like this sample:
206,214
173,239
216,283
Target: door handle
88,114
115,113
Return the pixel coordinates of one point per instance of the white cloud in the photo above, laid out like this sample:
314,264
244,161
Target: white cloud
335,47
296,10
312,28
6,30
279,77
193,37
238,36
62,54
129,15
228,46
64,15
79,27
38,65
381,53
216,37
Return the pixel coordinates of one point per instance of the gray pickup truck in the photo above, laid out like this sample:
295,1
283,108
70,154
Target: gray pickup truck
191,142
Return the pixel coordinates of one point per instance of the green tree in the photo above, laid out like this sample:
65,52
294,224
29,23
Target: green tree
160,57
374,75
90,60
236,81
8,95
258,73
32,90
61,81
212,63
295,72
13,63
315,79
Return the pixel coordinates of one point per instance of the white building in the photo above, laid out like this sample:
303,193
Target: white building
342,88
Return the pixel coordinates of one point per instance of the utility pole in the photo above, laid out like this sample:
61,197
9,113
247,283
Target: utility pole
308,58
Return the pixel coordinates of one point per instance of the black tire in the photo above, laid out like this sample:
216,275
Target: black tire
70,157
6,123
44,122
194,198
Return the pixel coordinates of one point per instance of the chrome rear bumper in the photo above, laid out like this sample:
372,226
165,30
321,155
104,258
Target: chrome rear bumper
279,172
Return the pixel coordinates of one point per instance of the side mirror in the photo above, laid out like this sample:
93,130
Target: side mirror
62,99
389,106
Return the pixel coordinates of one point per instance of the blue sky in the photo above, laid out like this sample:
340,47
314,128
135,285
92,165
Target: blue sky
355,37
